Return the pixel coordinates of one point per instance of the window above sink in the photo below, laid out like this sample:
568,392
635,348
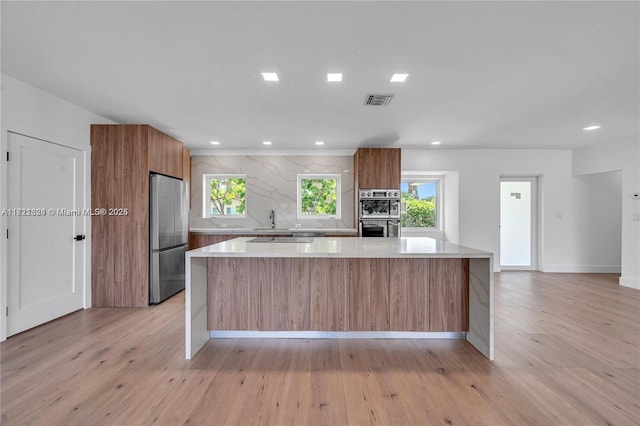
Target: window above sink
224,195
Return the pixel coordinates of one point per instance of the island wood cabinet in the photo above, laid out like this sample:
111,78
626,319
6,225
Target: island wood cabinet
377,168
279,302
409,294
329,288
368,297
122,156
338,294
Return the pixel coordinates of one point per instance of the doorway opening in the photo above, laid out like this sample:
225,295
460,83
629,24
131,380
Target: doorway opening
519,200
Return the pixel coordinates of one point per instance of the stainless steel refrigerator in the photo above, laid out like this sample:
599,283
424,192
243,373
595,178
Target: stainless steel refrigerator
169,234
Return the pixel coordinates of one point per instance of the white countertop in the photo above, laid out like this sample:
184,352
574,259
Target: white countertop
364,247
267,231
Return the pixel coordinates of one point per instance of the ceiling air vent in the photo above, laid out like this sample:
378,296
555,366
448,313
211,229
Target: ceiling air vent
378,100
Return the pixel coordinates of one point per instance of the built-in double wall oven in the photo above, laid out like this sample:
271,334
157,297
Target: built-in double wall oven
379,212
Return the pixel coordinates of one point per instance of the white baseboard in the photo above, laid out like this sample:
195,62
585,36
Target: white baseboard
583,269
630,282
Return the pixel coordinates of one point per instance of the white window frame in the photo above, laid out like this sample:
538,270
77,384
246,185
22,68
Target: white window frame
206,184
439,180
335,176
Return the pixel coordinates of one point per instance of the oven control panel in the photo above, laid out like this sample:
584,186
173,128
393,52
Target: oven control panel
379,194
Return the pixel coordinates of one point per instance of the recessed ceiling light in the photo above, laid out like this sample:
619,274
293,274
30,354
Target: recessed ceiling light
399,78
319,143
266,142
270,76
334,76
594,127
214,142
436,142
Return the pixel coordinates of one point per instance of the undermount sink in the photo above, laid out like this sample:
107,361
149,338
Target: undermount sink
280,240
270,229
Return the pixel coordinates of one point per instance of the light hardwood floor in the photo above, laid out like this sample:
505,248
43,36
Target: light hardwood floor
567,352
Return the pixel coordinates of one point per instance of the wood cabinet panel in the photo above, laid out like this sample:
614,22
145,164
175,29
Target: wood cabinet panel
279,294
186,165
105,160
135,237
186,176
449,295
283,300
120,159
165,157
377,168
369,295
329,283
409,290
230,280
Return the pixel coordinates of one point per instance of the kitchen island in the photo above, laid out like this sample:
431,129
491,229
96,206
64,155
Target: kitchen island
339,288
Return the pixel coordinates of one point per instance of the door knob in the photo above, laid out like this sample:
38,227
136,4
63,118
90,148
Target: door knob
79,237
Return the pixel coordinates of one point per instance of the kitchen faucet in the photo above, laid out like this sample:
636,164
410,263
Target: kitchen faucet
272,216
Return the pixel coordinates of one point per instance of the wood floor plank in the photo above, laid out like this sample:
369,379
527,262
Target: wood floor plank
567,352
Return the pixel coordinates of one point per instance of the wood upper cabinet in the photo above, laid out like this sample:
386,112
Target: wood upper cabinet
165,154
377,168
121,158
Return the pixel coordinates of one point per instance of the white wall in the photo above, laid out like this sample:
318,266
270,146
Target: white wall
625,157
451,201
478,195
573,237
598,203
33,112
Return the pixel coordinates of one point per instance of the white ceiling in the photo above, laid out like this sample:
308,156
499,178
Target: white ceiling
482,74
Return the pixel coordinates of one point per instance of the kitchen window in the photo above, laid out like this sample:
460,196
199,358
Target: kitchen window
224,195
318,196
420,203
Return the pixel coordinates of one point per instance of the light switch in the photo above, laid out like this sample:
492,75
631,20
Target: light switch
635,217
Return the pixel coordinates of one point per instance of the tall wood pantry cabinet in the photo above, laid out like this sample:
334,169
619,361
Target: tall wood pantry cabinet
122,156
375,168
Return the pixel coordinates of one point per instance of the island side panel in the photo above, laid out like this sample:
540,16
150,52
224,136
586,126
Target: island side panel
369,295
196,330
480,332
329,294
449,295
409,294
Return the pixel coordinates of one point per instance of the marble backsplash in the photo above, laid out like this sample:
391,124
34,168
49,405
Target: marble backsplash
271,185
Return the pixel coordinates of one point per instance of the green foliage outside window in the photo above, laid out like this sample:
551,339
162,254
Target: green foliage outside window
319,197
417,212
227,196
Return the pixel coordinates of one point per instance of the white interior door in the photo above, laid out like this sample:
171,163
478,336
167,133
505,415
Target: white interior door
45,202
518,223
